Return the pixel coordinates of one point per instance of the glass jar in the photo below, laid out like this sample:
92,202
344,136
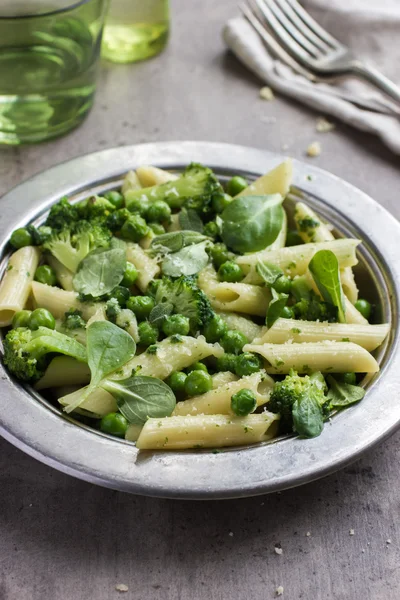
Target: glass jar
135,29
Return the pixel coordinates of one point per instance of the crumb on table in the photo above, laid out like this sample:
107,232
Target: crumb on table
314,149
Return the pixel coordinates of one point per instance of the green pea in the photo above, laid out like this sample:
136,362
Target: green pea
157,228
176,382
197,366
233,341
148,333
114,424
220,201
301,289
282,285
215,329
21,319
130,275
116,198
141,306
117,218
139,206
198,382
159,212
220,254
134,228
211,229
21,237
364,307
227,362
236,185
40,234
41,317
121,294
247,364
350,378
243,403
231,272
176,324
287,313
45,274
293,238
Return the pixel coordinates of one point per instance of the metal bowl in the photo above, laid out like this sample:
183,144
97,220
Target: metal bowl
34,425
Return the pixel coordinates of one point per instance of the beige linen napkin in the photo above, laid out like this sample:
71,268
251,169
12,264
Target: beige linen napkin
372,29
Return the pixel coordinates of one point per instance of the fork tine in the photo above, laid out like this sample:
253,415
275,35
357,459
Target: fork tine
287,8
313,25
296,32
271,43
286,39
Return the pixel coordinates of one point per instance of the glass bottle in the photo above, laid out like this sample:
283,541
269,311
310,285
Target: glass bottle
135,29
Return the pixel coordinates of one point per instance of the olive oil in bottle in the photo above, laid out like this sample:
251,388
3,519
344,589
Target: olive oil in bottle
135,29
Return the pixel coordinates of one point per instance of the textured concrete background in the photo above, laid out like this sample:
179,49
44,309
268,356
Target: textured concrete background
62,539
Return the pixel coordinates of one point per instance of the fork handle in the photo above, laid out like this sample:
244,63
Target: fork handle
377,79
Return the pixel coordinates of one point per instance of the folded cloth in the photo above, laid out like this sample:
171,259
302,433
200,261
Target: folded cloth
371,29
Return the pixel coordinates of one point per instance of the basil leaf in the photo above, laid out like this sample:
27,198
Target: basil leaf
343,394
140,398
189,219
324,268
252,223
187,261
160,312
269,273
275,307
308,420
101,270
176,240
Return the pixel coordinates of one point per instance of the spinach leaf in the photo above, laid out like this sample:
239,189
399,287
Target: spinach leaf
308,420
343,394
275,307
251,223
176,240
269,273
324,268
160,312
101,270
188,261
108,348
140,398
190,220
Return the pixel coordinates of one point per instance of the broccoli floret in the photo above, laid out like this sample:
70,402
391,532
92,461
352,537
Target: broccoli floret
70,246
112,309
95,207
193,189
186,298
314,309
62,215
27,353
73,320
294,389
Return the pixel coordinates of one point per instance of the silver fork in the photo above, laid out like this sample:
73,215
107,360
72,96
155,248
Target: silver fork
314,48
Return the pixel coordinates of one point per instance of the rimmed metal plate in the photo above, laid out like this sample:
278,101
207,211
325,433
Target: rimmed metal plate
33,425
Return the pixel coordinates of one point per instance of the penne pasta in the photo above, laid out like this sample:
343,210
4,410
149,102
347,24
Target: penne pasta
147,267
276,181
15,286
284,330
58,301
149,176
98,404
131,182
327,357
206,431
218,401
62,371
64,275
133,432
222,378
243,324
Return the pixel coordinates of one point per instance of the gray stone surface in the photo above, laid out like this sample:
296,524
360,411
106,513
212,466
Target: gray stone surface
62,539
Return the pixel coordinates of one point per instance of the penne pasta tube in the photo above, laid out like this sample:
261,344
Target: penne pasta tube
131,182
62,371
64,275
243,324
98,404
218,401
234,297
349,285
59,301
148,267
149,176
133,432
294,260
206,431
276,181
15,286
284,330
328,357
222,378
